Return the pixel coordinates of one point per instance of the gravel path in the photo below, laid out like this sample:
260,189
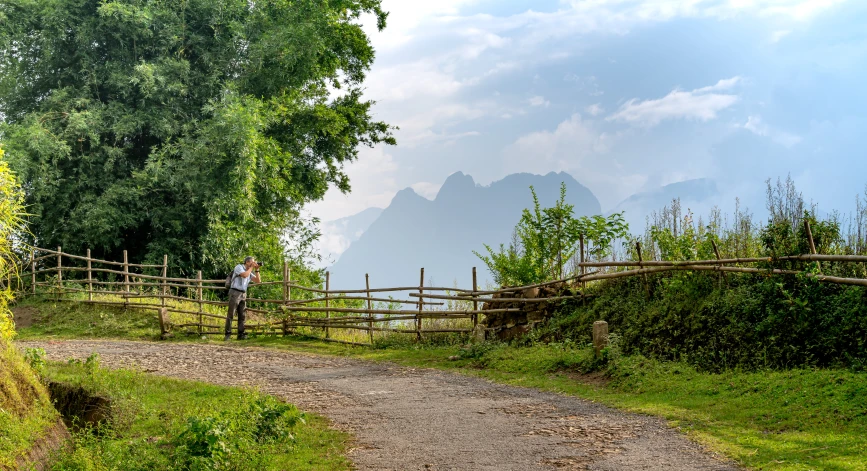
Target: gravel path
421,419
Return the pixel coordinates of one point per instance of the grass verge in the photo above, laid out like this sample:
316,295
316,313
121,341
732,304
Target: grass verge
802,419
160,423
25,408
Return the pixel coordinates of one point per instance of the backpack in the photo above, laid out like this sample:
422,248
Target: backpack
229,279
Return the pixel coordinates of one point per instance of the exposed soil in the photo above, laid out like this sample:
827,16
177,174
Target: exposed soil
422,419
79,408
23,316
39,456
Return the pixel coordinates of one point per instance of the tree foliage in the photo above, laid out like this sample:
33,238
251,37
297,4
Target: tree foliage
194,128
545,239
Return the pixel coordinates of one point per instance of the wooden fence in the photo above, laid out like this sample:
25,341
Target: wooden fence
194,303
185,303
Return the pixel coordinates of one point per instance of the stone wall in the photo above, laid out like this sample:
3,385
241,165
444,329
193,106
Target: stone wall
509,325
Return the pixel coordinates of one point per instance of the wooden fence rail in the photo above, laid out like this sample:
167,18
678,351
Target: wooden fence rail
199,305
432,309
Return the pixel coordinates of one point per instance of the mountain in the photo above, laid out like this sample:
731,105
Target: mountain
699,195
339,234
440,235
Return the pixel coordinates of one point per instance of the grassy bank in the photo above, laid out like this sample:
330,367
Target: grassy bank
800,419
25,408
159,423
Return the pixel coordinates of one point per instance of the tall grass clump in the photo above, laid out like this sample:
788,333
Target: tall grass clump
25,408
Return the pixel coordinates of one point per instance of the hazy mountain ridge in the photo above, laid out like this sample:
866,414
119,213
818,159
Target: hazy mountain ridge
339,234
440,235
697,194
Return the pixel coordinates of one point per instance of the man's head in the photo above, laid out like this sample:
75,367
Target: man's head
249,261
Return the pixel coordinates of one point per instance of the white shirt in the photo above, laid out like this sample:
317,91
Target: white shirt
239,282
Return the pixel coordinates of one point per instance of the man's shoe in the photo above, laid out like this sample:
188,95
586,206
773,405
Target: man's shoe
242,336
227,338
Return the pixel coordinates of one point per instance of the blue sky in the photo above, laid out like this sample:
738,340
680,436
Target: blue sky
625,95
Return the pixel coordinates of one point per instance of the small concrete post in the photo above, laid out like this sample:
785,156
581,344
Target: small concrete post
164,322
600,336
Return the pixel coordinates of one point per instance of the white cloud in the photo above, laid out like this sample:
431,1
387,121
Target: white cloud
722,84
374,184
403,82
404,19
625,12
755,124
579,147
700,104
588,84
539,101
776,36
594,109
434,123
758,127
573,135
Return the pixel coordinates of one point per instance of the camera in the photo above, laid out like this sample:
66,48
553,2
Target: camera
260,264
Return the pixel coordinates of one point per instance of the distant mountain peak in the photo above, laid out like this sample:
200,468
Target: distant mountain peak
407,194
457,185
441,235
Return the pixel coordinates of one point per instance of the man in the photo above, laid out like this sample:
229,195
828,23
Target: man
241,277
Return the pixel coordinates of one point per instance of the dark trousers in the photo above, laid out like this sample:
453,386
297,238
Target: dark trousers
237,302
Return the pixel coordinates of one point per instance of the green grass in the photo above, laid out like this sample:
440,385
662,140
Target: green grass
25,408
85,321
150,415
802,419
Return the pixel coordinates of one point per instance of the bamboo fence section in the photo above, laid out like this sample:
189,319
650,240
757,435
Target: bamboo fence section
201,308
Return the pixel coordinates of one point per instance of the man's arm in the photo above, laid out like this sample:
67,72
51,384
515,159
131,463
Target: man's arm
257,278
245,274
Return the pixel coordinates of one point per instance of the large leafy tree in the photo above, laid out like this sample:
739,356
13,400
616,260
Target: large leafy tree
194,128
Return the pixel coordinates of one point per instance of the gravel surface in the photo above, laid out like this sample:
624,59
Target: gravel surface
421,419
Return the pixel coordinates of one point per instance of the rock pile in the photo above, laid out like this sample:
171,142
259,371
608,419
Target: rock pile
509,325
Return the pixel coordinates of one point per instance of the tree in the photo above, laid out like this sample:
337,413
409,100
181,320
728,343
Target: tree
546,237
194,128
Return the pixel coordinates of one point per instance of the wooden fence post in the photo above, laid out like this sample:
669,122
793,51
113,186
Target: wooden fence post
420,306
716,252
641,265
583,283
89,278
812,244
199,298
287,296
59,274
33,271
164,281
327,295
369,314
163,316
125,280
475,302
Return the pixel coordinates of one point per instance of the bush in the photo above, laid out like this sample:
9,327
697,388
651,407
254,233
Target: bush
756,322
216,442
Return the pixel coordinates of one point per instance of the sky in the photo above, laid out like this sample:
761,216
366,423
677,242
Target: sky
625,95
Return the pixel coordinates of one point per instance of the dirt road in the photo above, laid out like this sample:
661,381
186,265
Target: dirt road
420,419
